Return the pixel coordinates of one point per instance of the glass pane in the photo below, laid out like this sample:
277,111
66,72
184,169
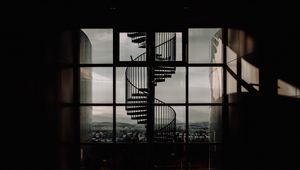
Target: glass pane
205,84
133,46
287,89
244,90
233,49
216,83
136,80
170,89
215,124
96,85
231,84
96,46
250,74
120,84
128,127
164,116
231,59
168,46
205,45
180,123
199,123
96,124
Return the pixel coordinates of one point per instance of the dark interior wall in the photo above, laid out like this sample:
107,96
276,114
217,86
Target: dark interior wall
30,63
30,95
262,132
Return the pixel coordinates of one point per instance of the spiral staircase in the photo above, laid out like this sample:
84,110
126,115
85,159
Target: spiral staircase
140,103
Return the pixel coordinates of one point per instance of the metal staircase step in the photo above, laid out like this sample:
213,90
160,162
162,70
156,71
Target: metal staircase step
139,39
144,89
137,113
160,58
162,76
138,102
142,45
173,67
165,68
139,94
135,34
137,99
136,108
138,117
159,80
163,72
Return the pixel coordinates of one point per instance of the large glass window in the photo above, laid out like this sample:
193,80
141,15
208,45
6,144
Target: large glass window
116,99
175,95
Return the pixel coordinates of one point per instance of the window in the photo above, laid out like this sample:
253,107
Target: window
242,72
133,46
141,87
287,89
205,84
96,86
120,88
97,47
172,90
205,45
168,44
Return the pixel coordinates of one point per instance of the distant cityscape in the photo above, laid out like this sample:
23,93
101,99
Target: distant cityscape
131,133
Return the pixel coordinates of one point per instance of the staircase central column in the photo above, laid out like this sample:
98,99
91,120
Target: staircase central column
150,50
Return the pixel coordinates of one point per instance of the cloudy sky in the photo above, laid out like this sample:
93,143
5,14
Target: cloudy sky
170,91
102,45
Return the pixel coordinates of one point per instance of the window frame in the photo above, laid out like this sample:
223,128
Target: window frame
184,63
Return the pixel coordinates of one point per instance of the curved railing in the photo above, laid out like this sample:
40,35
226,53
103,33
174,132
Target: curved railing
165,122
137,90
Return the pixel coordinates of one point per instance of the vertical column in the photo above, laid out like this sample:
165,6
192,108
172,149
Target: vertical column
241,42
76,107
115,60
225,98
150,50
